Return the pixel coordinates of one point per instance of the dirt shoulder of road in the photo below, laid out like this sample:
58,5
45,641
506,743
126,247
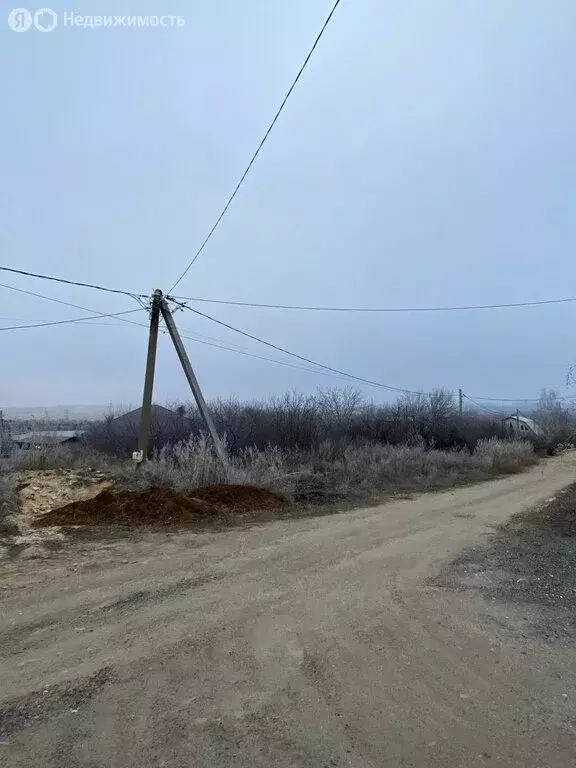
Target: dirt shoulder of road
530,562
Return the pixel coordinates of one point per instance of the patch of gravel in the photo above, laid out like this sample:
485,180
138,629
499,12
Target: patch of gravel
531,561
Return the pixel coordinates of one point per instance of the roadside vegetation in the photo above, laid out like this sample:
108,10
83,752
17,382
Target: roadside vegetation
8,500
331,446
329,471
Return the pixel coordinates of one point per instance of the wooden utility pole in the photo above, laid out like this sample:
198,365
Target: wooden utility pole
193,382
460,401
146,414
518,418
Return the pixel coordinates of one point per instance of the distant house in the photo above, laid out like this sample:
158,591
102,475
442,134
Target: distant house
37,440
164,422
522,425
120,435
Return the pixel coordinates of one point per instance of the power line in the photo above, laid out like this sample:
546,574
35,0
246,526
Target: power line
332,371
482,408
222,344
65,322
206,340
216,339
73,282
262,142
376,309
565,398
65,303
263,357
304,359
37,320
240,351
336,370
509,399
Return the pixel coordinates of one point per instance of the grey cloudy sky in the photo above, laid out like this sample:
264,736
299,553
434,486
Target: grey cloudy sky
426,158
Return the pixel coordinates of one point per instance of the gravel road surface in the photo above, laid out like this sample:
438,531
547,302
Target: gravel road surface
314,642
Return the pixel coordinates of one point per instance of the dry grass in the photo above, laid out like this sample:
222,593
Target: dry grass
8,501
329,472
60,457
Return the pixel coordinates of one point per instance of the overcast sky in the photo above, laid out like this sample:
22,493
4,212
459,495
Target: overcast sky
425,158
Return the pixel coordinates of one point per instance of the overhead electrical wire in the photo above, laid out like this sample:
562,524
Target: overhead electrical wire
73,282
65,303
257,152
264,357
209,341
218,343
349,376
335,372
307,369
304,308
206,340
242,351
278,348
12,318
509,399
217,339
65,322
300,307
482,408
504,400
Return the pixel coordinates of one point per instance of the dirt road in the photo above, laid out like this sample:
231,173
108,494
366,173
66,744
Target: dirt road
316,642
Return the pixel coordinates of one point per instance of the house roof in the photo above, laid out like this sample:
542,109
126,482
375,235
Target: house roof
162,419
525,420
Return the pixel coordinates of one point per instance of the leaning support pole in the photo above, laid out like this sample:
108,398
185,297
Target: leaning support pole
193,382
146,416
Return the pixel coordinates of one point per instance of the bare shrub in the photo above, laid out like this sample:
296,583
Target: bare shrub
305,421
556,421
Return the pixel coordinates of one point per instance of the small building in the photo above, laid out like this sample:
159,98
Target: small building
163,422
119,435
37,440
522,425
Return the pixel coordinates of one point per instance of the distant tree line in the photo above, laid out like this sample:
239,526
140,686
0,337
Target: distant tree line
341,416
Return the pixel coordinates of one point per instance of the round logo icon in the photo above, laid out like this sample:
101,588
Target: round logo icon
45,20
20,19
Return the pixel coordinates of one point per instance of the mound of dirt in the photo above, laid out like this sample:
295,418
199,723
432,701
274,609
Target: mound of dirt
238,497
162,506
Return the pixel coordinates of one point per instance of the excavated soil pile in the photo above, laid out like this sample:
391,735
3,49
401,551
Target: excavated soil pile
238,497
162,506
